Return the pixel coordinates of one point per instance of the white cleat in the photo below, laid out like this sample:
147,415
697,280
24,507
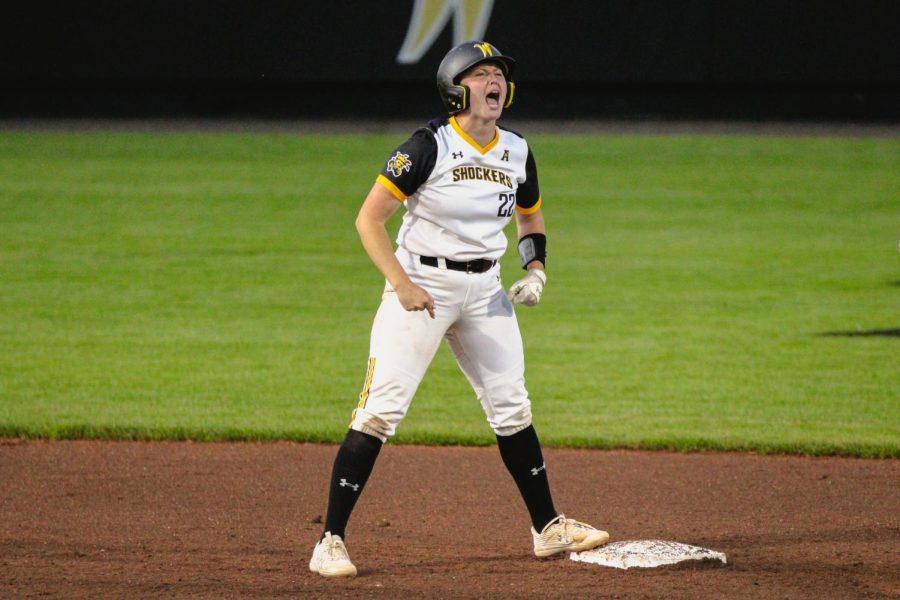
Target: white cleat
330,558
566,535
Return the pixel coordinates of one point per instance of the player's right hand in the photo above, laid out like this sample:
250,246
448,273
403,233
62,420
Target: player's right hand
412,297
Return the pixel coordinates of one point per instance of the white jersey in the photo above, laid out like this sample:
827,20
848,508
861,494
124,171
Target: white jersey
459,195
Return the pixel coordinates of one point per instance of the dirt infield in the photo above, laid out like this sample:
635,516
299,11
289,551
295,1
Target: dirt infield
178,520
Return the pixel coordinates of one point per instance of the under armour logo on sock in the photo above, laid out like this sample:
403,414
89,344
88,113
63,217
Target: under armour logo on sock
539,469
457,155
355,486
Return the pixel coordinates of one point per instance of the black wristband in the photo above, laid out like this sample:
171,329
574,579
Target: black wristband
533,247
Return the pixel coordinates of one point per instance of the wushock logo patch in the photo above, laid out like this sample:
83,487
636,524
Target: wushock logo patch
399,162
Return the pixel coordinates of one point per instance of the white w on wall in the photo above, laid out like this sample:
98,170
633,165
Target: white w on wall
470,21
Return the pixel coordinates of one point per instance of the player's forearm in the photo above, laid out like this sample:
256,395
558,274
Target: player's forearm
378,246
533,223
371,223
528,224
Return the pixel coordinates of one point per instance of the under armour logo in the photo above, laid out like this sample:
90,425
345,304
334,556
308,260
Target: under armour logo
355,486
457,155
505,156
539,469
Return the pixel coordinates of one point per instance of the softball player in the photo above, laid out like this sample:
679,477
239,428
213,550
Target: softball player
461,179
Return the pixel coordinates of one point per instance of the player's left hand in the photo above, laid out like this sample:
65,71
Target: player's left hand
528,290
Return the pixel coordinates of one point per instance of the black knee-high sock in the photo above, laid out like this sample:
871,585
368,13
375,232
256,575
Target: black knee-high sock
352,467
521,453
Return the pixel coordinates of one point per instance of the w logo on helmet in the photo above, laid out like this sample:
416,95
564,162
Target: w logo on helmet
485,49
399,162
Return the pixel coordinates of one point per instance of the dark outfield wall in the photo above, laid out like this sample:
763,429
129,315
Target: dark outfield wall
820,59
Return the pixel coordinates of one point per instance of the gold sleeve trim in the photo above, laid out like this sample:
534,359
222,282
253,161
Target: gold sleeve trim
528,211
391,187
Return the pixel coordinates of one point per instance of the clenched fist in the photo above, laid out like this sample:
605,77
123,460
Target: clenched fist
528,290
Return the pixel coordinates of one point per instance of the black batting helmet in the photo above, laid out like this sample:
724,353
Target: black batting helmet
462,58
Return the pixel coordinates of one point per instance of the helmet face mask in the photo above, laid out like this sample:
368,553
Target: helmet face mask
462,58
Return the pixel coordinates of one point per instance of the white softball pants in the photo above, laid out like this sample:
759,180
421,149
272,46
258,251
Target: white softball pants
473,313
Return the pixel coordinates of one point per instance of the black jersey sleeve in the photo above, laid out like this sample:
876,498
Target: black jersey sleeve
528,196
410,165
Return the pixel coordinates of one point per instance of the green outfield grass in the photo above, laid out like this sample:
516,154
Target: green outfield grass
705,292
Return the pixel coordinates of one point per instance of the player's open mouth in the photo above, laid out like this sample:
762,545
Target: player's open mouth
493,98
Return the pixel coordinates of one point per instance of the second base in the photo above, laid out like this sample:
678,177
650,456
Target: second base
646,554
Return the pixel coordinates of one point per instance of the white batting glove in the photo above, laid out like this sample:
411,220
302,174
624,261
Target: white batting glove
528,290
